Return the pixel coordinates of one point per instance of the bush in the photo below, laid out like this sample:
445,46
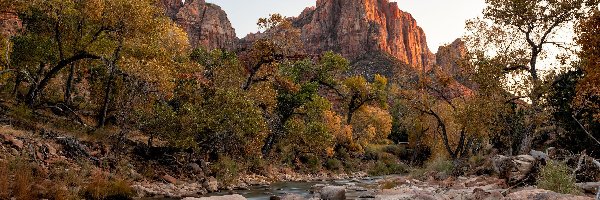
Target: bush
556,176
440,164
381,168
334,164
312,163
226,170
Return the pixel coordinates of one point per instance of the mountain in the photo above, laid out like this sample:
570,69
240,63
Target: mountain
206,24
359,28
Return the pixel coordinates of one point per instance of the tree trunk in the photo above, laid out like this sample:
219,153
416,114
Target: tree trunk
107,92
69,84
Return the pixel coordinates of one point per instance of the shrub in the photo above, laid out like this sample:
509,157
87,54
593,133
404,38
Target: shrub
381,168
556,176
334,164
226,170
440,164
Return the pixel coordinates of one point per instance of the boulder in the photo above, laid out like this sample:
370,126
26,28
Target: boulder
211,184
194,168
540,194
288,197
514,169
225,197
333,193
538,155
169,179
17,143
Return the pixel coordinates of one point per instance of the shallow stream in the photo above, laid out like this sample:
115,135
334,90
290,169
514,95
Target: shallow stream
355,188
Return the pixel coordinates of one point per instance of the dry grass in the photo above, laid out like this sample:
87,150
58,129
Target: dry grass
4,180
102,187
9,130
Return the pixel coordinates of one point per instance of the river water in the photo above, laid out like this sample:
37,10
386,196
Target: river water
356,188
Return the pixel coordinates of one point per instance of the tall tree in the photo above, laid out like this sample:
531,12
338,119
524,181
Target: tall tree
529,28
63,32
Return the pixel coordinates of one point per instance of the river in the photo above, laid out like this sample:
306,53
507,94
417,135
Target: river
359,187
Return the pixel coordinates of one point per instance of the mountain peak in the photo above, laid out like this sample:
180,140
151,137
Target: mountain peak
356,27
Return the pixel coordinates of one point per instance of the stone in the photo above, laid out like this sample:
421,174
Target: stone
194,167
211,184
225,197
551,152
206,24
51,149
333,193
169,179
17,143
538,155
290,197
540,194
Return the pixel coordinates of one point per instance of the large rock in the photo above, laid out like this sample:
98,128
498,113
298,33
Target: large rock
355,28
333,193
226,197
539,194
206,24
514,169
211,184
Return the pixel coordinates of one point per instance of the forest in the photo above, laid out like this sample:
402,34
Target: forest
126,98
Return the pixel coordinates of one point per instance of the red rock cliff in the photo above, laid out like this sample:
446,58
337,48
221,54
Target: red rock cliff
357,27
9,23
206,24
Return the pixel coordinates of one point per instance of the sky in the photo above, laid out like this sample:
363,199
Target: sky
442,20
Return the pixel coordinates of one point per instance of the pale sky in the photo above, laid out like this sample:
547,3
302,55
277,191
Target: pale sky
442,20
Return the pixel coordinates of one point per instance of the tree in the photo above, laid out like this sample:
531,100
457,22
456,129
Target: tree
360,92
588,89
520,34
65,32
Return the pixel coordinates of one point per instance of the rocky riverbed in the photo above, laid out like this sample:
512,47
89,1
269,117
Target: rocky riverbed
404,188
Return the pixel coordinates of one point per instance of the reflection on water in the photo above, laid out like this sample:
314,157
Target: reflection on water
355,188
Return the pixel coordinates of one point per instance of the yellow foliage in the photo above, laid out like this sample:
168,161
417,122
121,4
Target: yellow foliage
371,125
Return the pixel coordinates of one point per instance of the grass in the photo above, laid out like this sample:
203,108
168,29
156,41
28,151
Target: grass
102,187
440,165
557,177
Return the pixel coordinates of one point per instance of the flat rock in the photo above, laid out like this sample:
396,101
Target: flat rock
169,179
540,194
226,197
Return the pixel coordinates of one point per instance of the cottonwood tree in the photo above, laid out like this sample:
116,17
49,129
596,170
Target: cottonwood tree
60,33
359,92
520,32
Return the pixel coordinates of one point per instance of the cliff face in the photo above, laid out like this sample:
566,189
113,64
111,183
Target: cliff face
9,23
206,24
358,27
447,56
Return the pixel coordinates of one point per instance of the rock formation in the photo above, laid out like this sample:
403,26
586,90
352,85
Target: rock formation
9,23
206,24
448,56
358,27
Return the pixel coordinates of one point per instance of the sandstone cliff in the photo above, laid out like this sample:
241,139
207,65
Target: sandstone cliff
355,28
9,23
448,56
206,24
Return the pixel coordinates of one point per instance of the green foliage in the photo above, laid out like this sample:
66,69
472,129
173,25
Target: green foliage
334,164
226,170
557,176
